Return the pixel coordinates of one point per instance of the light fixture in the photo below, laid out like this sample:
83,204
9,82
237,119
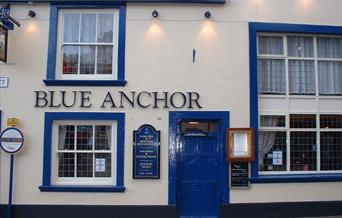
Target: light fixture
207,14
31,13
155,13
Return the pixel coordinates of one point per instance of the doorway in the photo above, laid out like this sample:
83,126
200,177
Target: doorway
199,180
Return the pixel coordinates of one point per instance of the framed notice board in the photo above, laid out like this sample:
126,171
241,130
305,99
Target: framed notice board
146,153
239,175
240,144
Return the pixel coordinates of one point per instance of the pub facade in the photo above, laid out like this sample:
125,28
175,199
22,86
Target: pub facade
153,108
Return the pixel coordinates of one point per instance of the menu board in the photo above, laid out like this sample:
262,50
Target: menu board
146,153
239,175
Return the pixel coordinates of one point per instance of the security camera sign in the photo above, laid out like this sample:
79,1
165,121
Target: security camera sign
11,140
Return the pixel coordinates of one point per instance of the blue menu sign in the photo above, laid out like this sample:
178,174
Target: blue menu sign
146,153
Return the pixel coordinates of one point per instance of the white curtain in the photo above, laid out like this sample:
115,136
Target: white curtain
330,77
266,142
271,76
270,45
109,136
300,46
62,129
302,77
71,27
88,27
105,27
329,47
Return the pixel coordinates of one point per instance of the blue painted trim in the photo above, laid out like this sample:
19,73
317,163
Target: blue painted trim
255,27
121,41
174,118
10,190
82,188
253,84
295,28
133,1
52,47
50,117
297,178
85,82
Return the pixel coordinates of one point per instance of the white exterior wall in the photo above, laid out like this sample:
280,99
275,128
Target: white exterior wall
158,58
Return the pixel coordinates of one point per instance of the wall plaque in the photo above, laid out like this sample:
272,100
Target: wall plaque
146,153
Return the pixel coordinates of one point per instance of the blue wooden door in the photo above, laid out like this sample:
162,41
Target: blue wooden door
198,175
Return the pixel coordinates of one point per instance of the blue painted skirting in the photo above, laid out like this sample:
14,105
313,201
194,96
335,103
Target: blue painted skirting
137,1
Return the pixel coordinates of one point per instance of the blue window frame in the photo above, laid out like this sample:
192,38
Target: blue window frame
52,117
52,78
254,29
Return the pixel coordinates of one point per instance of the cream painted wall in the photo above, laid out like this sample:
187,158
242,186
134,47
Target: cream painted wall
158,58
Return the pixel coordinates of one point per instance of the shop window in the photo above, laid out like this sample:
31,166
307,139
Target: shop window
299,145
83,152
86,46
295,102
272,150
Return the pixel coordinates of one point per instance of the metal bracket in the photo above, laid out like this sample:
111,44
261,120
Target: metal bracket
6,19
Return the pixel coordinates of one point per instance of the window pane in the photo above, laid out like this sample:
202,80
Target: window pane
88,27
66,137
103,137
331,121
66,165
331,150
71,27
84,165
70,59
84,137
270,45
103,165
329,47
330,77
196,126
299,46
87,60
303,150
272,151
271,76
272,121
302,121
302,77
104,59
105,27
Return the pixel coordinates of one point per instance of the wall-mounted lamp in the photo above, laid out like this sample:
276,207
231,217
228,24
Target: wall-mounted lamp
207,14
155,13
31,13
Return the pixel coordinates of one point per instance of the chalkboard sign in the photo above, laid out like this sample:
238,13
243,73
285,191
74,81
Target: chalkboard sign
239,175
146,153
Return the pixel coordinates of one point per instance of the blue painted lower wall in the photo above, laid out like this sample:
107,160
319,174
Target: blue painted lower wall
260,210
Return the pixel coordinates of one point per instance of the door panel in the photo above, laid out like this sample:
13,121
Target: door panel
198,176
